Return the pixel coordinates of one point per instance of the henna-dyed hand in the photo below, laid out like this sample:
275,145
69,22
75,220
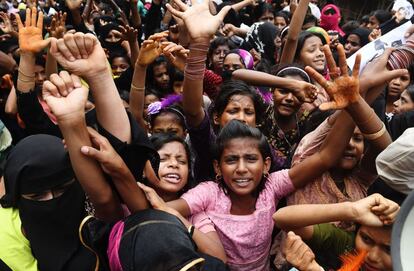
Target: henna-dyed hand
6,26
344,89
58,25
30,35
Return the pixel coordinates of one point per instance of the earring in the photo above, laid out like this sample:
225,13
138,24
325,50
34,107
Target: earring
266,175
218,178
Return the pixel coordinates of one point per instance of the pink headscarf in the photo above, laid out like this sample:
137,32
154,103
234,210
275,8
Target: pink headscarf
331,21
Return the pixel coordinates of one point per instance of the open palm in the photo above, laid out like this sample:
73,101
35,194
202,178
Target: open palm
30,35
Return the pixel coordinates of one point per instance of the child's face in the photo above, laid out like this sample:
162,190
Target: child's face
377,242
240,107
167,123
312,54
353,152
403,104
242,166
119,65
178,87
286,104
161,76
173,169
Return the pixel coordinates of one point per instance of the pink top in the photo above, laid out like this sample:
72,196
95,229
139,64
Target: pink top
246,238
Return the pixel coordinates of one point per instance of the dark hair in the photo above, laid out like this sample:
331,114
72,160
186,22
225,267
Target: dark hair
236,129
177,76
365,19
115,54
309,18
303,36
215,44
350,26
410,91
381,15
159,140
261,9
292,70
174,110
236,87
161,60
284,14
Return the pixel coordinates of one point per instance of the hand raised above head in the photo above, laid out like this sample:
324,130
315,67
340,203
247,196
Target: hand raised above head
200,23
151,49
344,89
30,34
65,96
80,54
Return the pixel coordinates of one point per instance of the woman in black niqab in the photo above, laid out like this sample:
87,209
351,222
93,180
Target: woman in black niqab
37,165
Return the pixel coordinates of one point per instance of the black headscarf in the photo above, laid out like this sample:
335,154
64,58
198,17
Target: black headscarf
36,164
111,46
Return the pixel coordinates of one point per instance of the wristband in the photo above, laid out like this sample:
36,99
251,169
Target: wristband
376,135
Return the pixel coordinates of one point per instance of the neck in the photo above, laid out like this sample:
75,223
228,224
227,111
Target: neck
338,174
390,103
286,123
242,205
166,196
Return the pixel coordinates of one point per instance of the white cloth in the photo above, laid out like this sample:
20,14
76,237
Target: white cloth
404,7
314,10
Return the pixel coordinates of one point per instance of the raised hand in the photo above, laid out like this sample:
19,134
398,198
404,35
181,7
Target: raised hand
176,54
151,49
80,54
198,19
344,89
375,210
30,35
73,4
6,26
305,92
58,25
155,200
299,254
65,96
129,33
103,152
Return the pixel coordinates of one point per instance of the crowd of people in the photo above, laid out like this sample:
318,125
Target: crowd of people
200,135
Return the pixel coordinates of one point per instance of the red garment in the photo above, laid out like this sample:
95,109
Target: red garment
211,84
331,21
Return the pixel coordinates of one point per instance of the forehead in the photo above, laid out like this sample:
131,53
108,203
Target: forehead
241,146
172,148
223,47
161,68
381,235
280,18
311,41
119,60
166,120
231,58
353,38
241,100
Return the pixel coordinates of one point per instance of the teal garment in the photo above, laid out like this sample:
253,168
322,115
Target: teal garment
141,9
329,243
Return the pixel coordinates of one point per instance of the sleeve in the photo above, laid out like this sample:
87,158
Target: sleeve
33,116
202,222
202,138
327,237
281,183
136,153
201,197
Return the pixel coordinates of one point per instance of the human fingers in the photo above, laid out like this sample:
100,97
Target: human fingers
90,41
357,65
93,153
19,21
64,50
34,16
48,88
409,31
174,11
72,46
342,60
330,61
328,106
316,76
180,4
59,83
28,17
63,19
223,12
53,24
80,44
40,20
97,139
76,81
67,80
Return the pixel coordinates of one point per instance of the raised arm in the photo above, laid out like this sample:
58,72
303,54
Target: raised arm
295,27
200,35
83,55
66,97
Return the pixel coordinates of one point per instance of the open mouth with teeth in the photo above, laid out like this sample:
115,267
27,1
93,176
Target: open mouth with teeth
172,178
242,182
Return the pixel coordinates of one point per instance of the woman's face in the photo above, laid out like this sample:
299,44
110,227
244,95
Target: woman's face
161,76
40,75
267,16
240,107
404,103
242,166
377,242
373,23
398,85
353,152
280,22
178,87
217,57
312,54
286,104
49,193
353,44
173,168
119,65
232,62
113,36
168,123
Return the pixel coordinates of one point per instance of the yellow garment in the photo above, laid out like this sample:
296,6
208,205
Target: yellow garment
15,248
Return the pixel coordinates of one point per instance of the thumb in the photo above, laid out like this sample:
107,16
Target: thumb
91,152
328,106
223,12
395,74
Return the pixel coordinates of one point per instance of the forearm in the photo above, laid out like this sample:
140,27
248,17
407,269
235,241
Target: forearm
240,5
110,110
87,9
134,47
295,27
193,82
299,216
137,94
181,206
87,170
76,16
263,79
51,65
7,64
11,103
26,77
135,17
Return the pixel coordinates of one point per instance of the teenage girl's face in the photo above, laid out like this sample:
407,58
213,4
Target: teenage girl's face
49,194
242,166
40,75
161,76
218,57
240,107
377,242
353,152
312,54
149,99
168,123
373,23
113,36
353,44
403,104
280,22
267,16
178,87
232,62
173,168
286,104
119,65
398,85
